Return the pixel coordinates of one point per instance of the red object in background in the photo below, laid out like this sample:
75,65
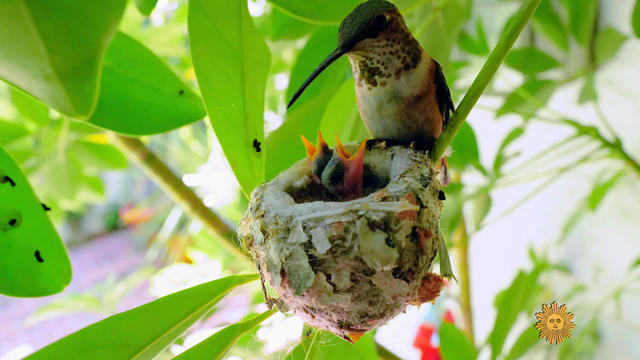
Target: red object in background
448,317
422,341
134,216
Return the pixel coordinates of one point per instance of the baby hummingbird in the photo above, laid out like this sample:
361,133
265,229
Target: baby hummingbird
401,92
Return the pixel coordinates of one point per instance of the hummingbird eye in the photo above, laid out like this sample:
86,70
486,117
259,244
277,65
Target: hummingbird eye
380,23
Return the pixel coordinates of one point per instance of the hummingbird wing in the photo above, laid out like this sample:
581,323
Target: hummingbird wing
443,95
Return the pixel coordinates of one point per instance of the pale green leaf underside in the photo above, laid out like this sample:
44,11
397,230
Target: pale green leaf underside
231,62
55,59
141,333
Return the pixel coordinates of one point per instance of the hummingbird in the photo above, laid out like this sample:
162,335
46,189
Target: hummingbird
339,172
402,94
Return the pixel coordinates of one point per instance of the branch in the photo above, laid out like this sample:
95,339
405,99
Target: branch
513,30
160,173
461,250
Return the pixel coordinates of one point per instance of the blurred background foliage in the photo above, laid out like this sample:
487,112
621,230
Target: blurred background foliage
78,171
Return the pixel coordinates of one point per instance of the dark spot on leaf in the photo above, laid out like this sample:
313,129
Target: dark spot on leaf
38,257
9,180
13,222
442,196
256,145
181,92
45,207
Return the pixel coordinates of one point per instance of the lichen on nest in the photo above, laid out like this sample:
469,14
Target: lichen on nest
350,266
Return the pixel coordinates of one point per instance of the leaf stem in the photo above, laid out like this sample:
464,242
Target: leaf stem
160,173
461,251
513,30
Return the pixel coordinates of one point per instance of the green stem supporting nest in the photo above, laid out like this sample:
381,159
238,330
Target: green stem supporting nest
160,173
513,30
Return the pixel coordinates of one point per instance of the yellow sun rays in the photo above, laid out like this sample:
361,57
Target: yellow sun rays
554,323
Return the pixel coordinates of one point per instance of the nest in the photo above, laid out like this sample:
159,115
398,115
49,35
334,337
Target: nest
349,266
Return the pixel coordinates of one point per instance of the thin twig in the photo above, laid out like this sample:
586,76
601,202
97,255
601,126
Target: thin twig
160,173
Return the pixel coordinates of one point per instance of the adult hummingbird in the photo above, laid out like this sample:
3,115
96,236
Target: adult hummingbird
401,92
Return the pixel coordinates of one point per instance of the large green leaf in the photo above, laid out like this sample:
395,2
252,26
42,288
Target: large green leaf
29,108
231,62
10,131
285,27
465,150
53,50
283,145
141,333
454,344
325,12
583,16
528,98
501,155
319,344
529,60
635,19
146,6
97,157
140,95
217,345
342,117
34,261
527,339
509,304
547,21
608,42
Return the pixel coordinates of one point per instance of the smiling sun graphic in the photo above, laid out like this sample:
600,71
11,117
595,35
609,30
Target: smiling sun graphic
554,323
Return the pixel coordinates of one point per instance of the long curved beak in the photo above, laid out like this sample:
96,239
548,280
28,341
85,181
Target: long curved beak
335,55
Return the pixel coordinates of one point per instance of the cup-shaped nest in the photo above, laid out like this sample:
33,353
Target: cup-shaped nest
349,266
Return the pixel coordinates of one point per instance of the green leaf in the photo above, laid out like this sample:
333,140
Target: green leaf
327,12
217,345
319,344
465,150
528,98
529,60
635,19
29,108
440,32
10,131
304,117
601,189
608,42
588,92
635,264
140,95
501,156
141,333
146,6
473,46
583,15
97,157
285,27
454,344
53,50
547,21
509,304
480,206
342,117
443,254
527,339
231,62
34,261
584,344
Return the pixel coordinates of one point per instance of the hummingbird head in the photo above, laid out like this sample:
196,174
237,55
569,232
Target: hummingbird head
373,28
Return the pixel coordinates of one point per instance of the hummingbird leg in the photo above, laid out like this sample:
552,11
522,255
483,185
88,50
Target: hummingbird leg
354,169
